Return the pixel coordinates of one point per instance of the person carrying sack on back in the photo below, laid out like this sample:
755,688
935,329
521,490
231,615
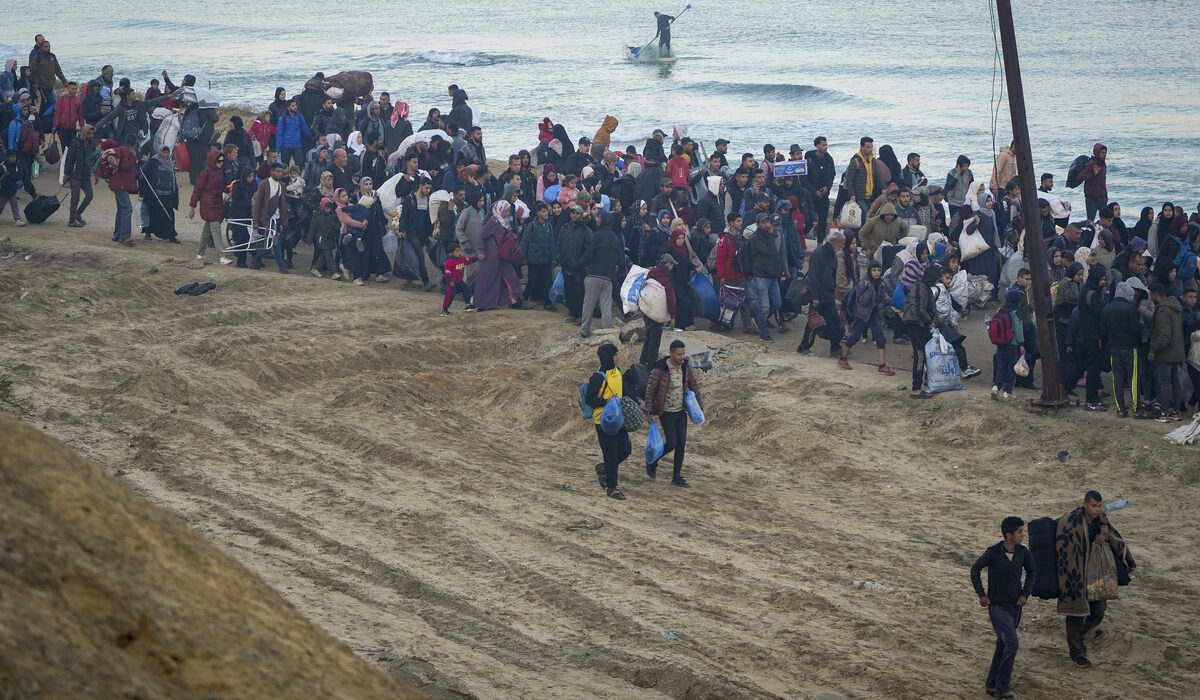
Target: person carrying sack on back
1076,533
1005,599
606,383
670,378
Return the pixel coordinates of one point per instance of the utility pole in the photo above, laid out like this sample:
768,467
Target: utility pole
1053,392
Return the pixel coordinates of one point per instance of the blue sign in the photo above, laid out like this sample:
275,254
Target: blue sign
791,168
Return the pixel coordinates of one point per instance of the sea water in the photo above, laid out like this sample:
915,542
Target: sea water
918,76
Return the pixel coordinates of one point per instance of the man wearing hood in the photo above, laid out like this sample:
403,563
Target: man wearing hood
1166,351
652,169
461,116
602,258
712,205
209,194
1121,333
1004,169
885,228
606,383
1095,181
603,135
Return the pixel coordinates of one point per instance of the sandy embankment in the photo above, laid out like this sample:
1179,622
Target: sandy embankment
421,487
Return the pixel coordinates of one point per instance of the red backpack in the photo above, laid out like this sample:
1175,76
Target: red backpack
30,139
1000,331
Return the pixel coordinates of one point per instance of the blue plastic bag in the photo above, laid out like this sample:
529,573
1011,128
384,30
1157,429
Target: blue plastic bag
558,292
692,406
898,297
941,366
612,418
654,443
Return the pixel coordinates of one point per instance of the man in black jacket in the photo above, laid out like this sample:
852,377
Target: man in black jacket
822,283
1005,597
78,173
601,259
819,181
1121,333
573,240
767,268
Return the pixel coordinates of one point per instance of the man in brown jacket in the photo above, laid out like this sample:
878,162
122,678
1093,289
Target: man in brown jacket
269,204
670,378
44,68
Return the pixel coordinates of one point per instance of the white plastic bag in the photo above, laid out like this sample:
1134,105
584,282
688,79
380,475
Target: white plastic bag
972,245
1021,368
631,288
851,215
391,243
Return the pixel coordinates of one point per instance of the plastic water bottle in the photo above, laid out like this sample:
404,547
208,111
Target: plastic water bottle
1116,505
987,322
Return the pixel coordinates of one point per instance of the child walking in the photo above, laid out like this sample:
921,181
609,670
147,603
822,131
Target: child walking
11,175
455,268
1006,334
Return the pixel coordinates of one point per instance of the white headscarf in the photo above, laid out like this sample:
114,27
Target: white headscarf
355,142
502,210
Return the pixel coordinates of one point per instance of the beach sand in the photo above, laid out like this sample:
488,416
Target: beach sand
422,488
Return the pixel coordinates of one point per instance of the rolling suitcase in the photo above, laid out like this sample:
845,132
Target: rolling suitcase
41,208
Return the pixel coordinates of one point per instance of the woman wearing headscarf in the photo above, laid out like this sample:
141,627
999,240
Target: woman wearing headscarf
239,137
988,262
914,269
656,241
1105,249
1142,228
686,263
1082,255
376,258
1161,228
160,195
278,108
353,261
887,156
496,283
548,179
325,184
847,275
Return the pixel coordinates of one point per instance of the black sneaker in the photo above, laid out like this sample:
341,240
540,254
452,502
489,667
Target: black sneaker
445,312
651,472
1083,662
1098,406
679,481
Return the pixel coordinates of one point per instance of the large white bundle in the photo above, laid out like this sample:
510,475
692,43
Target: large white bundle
631,288
653,302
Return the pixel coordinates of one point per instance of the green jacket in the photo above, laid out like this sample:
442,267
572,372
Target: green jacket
323,230
1166,337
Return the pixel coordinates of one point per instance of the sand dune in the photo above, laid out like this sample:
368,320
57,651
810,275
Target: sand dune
422,488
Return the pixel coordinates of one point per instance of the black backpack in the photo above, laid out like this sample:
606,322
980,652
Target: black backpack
1077,165
741,253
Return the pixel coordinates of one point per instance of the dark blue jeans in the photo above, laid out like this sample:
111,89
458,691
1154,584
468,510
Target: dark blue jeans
1005,619
123,226
1003,360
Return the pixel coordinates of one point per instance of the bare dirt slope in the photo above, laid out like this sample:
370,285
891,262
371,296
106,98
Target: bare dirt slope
422,488
105,595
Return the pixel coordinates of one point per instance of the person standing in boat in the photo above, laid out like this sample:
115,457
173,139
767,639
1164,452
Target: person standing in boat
664,34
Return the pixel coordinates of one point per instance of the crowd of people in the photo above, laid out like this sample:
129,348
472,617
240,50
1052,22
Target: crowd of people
889,251
378,198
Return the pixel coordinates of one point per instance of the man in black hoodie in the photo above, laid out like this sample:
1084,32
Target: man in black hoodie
1005,598
602,260
461,116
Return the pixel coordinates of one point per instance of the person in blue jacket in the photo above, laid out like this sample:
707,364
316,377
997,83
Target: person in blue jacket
290,133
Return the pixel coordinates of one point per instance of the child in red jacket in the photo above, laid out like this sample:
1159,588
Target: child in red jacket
455,267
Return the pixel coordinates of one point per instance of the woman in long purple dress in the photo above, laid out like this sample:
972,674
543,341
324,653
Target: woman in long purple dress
496,284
